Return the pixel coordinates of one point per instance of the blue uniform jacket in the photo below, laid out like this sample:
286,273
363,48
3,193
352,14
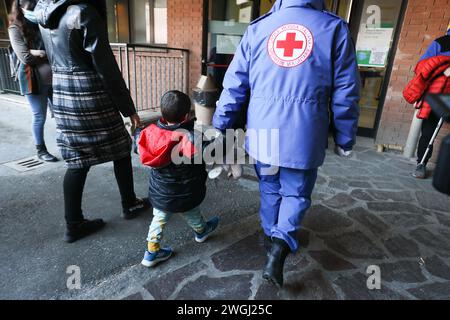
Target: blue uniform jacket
295,62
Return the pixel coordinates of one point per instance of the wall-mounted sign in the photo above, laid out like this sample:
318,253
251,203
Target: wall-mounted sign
373,45
227,44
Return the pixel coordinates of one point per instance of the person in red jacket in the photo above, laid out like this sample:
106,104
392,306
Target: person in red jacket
174,188
430,77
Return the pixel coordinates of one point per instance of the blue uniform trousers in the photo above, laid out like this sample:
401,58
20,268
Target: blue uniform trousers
285,198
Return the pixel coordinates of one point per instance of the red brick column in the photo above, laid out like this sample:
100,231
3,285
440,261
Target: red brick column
425,20
185,30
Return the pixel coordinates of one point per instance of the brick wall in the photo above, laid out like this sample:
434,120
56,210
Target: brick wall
185,30
425,20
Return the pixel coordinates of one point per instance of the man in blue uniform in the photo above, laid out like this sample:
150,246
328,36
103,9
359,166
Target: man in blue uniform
298,63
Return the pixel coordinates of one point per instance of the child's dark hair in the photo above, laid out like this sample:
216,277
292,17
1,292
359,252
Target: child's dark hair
174,106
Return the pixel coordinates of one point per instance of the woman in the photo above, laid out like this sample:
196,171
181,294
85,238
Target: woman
89,94
34,73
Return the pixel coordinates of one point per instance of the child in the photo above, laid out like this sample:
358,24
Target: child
174,188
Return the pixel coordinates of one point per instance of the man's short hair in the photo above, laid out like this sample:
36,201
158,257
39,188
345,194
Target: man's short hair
174,106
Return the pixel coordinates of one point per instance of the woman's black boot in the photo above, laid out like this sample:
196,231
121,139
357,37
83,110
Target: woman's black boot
44,155
273,272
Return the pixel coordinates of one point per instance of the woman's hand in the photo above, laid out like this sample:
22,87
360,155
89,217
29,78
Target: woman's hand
135,121
38,53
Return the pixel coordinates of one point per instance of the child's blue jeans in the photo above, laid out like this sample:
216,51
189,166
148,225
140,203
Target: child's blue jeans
193,218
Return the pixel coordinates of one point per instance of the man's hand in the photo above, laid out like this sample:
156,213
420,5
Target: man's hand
135,121
342,153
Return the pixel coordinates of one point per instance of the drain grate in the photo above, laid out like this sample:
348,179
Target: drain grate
27,164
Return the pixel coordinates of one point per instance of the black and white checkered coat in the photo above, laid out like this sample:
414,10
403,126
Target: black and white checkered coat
90,128
89,91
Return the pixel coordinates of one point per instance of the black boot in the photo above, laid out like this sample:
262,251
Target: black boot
139,206
44,155
267,243
83,229
273,272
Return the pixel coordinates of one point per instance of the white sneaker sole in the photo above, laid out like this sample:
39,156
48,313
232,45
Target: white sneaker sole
201,240
150,264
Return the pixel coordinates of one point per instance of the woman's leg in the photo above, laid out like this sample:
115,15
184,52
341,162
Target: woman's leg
74,182
77,226
428,128
38,104
123,171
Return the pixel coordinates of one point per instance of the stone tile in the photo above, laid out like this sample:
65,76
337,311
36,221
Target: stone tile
311,286
387,185
394,207
303,238
438,244
411,183
354,245
226,288
403,165
162,287
437,267
321,180
369,156
401,247
361,195
330,261
443,219
321,219
359,184
340,201
433,291
267,292
338,185
361,178
247,254
296,262
402,271
403,196
434,201
369,220
136,296
355,288
405,220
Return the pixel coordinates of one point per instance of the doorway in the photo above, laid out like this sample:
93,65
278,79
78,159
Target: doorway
374,25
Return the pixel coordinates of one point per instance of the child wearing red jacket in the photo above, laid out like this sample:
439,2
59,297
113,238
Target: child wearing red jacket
174,186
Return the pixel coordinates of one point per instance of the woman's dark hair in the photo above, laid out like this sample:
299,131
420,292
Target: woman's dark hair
29,30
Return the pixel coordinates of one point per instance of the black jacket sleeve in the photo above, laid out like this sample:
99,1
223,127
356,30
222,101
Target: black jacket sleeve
96,43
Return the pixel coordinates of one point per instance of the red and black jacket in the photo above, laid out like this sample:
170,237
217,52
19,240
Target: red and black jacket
173,187
430,78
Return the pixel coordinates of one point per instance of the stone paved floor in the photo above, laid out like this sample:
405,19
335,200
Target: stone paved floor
367,211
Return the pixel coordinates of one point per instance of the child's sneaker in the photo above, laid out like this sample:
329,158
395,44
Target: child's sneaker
211,226
153,258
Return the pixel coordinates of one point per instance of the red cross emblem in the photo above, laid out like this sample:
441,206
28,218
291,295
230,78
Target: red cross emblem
290,45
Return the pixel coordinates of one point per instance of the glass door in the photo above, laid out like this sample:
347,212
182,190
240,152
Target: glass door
228,20
374,26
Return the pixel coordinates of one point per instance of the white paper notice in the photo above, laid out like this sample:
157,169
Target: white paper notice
373,45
